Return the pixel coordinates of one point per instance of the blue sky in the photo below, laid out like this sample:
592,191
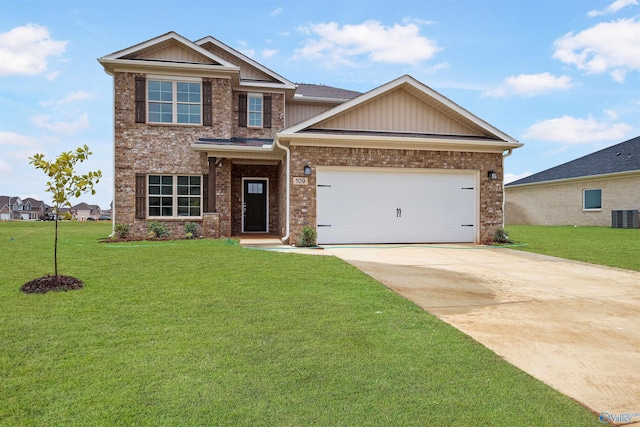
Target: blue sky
561,76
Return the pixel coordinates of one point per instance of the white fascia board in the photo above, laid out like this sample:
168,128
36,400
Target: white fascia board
406,79
213,147
397,142
574,179
129,64
314,99
285,82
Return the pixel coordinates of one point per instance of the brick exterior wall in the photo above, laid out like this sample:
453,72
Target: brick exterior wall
561,204
142,148
303,202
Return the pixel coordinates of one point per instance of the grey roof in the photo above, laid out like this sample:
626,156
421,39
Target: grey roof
322,91
623,157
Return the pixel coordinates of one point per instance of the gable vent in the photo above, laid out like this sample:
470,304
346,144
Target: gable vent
624,218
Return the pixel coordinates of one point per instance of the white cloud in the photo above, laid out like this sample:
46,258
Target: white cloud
612,114
613,7
435,68
530,85
418,21
66,128
608,46
268,53
276,12
72,97
5,168
12,138
24,50
509,177
399,44
571,130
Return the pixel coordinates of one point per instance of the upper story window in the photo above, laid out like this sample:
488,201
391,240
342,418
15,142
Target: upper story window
174,102
592,199
255,110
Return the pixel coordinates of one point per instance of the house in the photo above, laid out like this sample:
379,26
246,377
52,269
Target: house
205,134
583,191
83,211
16,208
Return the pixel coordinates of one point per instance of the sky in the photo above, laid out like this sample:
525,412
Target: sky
560,76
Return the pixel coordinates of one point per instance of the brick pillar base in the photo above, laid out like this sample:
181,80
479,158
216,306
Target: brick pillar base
211,225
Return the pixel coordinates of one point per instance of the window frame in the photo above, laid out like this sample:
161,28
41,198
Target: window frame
250,96
174,196
174,80
584,200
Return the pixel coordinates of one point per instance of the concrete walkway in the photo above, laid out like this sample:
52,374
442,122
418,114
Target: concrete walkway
573,325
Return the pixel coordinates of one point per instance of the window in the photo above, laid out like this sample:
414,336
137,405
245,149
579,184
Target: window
174,102
174,195
592,199
255,110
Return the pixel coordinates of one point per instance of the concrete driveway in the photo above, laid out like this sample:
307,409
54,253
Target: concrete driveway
573,325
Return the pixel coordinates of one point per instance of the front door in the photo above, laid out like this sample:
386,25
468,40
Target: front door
254,205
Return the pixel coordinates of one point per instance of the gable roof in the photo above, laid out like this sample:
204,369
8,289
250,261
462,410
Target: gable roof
619,158
478,132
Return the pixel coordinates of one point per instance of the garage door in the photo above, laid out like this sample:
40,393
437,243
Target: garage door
384,205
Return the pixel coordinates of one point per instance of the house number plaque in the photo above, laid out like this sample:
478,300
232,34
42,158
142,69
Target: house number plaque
300,180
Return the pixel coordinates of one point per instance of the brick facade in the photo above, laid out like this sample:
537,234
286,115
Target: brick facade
303,200
142,148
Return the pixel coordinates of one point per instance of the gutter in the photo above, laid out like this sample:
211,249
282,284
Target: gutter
288,192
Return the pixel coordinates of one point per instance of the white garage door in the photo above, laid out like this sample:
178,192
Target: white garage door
384,205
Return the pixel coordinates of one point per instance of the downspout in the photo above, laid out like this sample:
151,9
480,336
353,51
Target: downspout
286,149
504,198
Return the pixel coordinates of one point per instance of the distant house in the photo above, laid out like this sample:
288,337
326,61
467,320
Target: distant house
16,208
581,192
82,211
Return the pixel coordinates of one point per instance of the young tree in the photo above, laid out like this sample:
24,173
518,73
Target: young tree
65,183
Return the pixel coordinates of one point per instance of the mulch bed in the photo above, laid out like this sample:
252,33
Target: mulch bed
51,283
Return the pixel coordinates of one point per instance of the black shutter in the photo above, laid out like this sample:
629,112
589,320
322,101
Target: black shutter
242,110
141,195
141,88
205,193
267,111
207,107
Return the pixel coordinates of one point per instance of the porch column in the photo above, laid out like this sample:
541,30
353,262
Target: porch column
211,205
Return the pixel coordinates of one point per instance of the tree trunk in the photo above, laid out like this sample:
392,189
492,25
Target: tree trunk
55,249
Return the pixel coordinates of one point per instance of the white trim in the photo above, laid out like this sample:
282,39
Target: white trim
255,95
174,99
584,199
174,196
266,180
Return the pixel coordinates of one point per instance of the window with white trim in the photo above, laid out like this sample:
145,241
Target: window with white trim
254,111
592,199
178,102
174,195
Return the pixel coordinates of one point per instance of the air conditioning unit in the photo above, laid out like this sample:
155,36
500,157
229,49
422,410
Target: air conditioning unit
624,218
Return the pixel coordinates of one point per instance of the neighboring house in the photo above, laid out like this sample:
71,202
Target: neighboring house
82,211
581,192
205,134
17,208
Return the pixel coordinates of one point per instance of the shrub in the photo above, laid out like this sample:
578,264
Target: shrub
157,229
501,236
122,230
308,237
191,230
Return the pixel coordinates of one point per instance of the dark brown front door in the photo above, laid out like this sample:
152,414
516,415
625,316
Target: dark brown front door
254,217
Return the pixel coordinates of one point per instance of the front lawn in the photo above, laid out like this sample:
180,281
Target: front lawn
615,247
207,333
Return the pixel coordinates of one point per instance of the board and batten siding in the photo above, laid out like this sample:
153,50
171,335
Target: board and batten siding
397,111
174,53
247,71
299,112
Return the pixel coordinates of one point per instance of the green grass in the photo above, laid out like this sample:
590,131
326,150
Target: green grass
615,247
208,333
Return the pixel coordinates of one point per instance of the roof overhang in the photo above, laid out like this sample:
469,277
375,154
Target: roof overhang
614,175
